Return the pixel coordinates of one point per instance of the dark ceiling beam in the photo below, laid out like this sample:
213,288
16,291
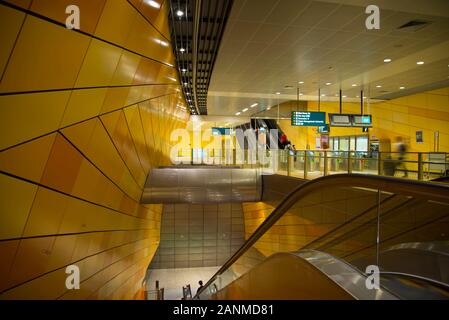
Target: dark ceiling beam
200,34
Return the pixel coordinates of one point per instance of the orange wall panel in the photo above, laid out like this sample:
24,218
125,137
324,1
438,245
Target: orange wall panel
76,145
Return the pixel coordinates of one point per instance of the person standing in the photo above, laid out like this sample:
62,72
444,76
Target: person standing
200,287
401,148
283,140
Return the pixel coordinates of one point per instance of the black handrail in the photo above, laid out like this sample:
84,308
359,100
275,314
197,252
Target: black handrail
418,189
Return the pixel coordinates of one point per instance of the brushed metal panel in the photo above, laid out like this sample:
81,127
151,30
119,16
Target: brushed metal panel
202,185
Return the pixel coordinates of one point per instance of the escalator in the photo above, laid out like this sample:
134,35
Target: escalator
265,126
327,237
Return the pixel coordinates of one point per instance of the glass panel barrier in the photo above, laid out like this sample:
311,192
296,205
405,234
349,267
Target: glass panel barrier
435,165
297,164
338,162
312,164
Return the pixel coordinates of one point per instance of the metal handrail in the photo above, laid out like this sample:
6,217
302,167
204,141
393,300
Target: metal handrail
443,285
418,189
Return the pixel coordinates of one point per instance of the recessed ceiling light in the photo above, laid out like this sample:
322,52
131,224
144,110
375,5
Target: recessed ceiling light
182,50
378,86
238,113
387,60
401,88
254,105
328,83
357,96
153,4
344,96
302,82
323,95
420,63
179,13
244,110
354,85
278,93
301,94
269,108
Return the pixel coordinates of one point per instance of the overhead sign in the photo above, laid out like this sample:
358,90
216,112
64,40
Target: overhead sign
310,119
362,120
221,131
350,120
324,129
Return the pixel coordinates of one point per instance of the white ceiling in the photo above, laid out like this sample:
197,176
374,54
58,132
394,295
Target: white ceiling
269,44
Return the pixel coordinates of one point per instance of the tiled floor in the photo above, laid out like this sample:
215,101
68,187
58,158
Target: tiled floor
172,280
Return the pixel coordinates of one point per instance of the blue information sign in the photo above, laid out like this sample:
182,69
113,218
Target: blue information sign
306,118
221,131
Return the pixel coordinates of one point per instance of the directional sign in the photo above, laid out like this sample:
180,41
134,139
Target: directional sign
350,120
310,119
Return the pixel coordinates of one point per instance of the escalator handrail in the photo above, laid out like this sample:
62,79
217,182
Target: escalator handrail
434,282
418,189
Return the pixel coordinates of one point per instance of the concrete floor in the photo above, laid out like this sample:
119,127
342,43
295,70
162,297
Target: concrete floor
172,280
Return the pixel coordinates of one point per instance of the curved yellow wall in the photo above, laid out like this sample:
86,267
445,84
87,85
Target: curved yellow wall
84,115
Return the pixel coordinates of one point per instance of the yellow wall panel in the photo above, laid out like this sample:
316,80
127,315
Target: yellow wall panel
80,134
20,112
126,69
63,166
10,23
144,39
76,216
117,127
61,254
99,65
16,199
132,115
45,57
7,252
115,99
54,284
83,104
115,27
21,3
159,22
101,151
17,160
46,214
92,170
31,259
88,180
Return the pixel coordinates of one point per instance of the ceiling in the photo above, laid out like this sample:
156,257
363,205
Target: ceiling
270,44
196,28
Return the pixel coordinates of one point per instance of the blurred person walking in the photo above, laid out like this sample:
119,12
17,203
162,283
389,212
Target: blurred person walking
401,149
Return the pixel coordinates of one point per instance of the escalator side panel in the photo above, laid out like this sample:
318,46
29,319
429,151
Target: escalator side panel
283,277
